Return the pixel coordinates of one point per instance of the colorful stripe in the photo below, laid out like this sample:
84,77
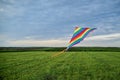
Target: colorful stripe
79,35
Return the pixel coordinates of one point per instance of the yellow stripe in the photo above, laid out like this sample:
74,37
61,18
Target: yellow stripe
77,30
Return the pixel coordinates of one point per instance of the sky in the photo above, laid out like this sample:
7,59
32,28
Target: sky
49,23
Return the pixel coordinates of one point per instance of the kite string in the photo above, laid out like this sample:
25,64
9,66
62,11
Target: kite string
56,54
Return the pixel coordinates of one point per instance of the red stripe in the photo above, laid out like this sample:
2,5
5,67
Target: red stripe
78,35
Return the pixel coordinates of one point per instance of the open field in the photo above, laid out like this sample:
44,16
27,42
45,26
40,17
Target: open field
38,65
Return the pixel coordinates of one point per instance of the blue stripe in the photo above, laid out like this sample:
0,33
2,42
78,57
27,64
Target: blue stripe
73,43
86,34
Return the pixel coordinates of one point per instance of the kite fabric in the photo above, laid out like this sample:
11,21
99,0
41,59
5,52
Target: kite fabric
79,35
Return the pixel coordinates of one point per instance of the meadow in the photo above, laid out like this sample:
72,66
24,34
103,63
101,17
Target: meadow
39,65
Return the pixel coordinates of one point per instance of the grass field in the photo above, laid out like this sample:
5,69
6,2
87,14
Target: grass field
38,65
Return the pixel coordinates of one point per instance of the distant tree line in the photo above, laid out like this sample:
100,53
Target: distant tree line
17,49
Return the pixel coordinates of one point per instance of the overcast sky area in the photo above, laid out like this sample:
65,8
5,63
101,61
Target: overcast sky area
51,22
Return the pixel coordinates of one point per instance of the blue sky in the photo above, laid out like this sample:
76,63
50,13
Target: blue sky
51,22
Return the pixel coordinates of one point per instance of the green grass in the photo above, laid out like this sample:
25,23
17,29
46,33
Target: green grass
36,65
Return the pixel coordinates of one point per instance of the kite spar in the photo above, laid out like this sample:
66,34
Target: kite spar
78,35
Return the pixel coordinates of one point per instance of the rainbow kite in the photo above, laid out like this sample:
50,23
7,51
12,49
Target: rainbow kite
79,35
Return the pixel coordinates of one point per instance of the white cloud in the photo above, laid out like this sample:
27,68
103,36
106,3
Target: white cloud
38,43
100,43
105,37
108,40
112,40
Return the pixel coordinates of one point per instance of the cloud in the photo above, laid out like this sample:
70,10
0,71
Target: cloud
100,40
44,43
105,37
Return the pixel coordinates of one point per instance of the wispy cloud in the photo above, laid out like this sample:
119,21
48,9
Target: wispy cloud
100,40
105,37
47,43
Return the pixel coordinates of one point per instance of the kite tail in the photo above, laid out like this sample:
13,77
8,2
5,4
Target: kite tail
56,54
